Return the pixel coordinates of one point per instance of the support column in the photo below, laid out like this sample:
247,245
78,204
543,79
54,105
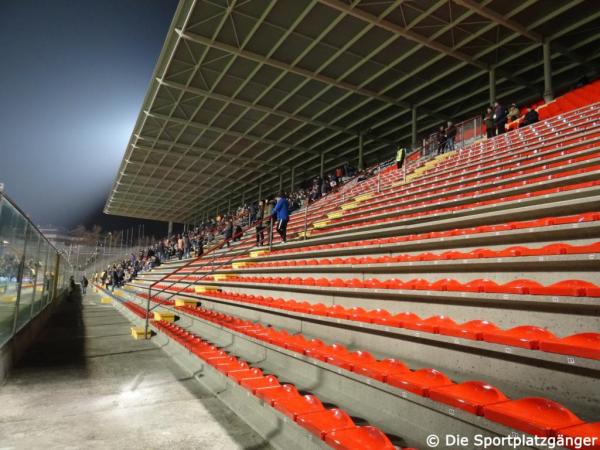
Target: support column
243,197
414,127
361,164
548,91
280,182
292,179
229,206
170,229
322,165
259,192
492,74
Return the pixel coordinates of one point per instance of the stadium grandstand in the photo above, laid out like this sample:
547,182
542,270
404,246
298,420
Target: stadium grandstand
383,224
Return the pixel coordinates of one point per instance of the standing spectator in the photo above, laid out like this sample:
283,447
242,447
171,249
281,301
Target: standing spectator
441,137
84,284
499,118
187,246
489,123
281,214
260,227
228,232
450,136
180,246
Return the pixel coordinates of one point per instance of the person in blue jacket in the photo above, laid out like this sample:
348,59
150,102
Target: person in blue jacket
281,213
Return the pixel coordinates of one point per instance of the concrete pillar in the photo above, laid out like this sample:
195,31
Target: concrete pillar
170,229
280,182
243,197
492,74
361,163
292,179
229,206
322,165
259,192
548,91
414,127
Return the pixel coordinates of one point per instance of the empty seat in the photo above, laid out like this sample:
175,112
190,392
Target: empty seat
420,381
472,329
297,405
324,422
470,396
587,430
534,415
526,336
359,438
584,345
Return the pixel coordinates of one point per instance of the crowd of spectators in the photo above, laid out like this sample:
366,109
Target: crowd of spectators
497,116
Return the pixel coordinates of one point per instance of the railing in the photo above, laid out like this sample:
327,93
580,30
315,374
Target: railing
32,270
211,262
467,132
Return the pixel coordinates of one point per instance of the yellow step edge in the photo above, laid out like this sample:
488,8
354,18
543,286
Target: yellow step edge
349,206
335,214
256,253
202,289
106,300
164,315
138,333
222,277
321,224
185,302
362,197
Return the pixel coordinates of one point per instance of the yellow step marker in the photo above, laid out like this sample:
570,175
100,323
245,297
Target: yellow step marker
321,224
106,300
347,206
138,333
257,253
186,302
202,289
222,277
362,197
8,298
164,315
335,214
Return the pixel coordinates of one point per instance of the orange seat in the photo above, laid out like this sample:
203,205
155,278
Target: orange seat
470,396
255,384
298,405
430,325
380,370
359,438
538,416
525,336
420,381
588,430
271,395
584,345
239,375
324,422
472,329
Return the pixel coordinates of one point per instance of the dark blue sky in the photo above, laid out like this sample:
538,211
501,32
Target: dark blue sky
73,74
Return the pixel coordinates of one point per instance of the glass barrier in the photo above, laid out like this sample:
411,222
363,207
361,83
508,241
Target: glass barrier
32,271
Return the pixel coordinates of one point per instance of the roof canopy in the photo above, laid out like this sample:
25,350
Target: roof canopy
259,92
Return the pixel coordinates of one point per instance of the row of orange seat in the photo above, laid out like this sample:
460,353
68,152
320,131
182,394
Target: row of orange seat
584,345
572,288
510,226
515,164
508,252
538,416
333,425
437,206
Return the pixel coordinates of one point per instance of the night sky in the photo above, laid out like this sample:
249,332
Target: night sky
73,74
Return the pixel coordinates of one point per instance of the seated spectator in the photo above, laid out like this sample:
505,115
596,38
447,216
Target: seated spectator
531,117
513,112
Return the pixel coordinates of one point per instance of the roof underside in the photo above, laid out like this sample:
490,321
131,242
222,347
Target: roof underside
245,92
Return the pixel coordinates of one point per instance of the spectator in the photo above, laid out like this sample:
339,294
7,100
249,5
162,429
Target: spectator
441,138
281,214
489,123
84,284
227,235
260,227
531,117
450,136
513,112
499,118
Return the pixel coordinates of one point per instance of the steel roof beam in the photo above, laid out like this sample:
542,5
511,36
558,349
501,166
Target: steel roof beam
246,54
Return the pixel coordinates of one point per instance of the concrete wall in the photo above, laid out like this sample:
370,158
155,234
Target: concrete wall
13,350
